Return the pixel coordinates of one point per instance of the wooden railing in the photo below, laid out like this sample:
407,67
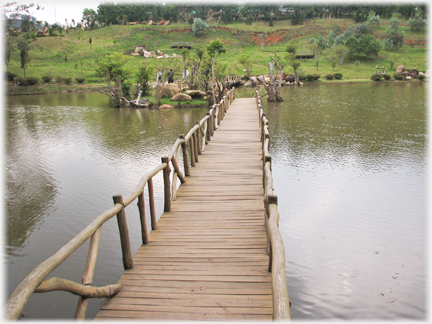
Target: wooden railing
276,250
193,144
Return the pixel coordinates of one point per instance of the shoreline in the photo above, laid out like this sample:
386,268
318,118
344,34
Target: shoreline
98,87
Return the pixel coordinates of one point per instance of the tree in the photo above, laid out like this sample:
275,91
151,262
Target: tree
89,17
246,61
213,49
369,45
8,51
24,54
395,37
112,68
143,77
417,23
199,27
340,51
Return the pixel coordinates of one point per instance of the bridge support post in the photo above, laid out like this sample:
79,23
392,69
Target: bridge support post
167,189
124,234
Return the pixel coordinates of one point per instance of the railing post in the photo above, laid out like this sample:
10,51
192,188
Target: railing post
272,199
167,189
124,234
185,156
199,138
192,150
141,209
152,205
208,135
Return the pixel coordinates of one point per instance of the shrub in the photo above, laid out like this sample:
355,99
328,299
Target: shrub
290,49
67,80
59,80
329,76
338,76
376,77
199,27
10,76
311,77
398,76
387,76
80,80
28,81
22,81
47,78
421,77
33,80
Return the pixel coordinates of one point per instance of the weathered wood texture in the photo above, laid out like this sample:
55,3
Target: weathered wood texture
208,259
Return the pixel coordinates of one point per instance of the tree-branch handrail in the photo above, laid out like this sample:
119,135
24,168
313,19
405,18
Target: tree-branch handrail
281,308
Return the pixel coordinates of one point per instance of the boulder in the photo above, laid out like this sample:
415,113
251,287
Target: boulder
150,22
400,69
196,93
290,78
169,90
414,71
427,73
165,106
181,97
146,54
408,77
139,49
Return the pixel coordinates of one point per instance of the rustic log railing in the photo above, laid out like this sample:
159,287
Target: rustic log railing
191,145
276,250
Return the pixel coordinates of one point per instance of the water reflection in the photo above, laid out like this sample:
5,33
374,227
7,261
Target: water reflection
349,167
66,156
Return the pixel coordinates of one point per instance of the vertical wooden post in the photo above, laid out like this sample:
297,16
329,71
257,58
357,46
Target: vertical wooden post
88,273
167,189
185,157
141,209
272,199
199,138
192,150
195,144
152,204
208,127
124,234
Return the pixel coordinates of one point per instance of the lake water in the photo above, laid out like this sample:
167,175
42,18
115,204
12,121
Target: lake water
349,168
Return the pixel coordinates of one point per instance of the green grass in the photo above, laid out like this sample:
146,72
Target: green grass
48,53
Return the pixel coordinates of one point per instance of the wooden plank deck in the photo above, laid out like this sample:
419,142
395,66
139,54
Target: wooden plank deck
207,260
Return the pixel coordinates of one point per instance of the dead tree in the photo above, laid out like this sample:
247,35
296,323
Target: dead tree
273,89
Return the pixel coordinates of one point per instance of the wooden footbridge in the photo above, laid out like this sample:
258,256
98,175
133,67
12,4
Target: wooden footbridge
215,253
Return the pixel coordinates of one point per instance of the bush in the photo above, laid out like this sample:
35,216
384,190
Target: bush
398,76
338,76
80,80
376,77
22,81
290,49
67,80
311,77
28,81
47,78
199,27
10,76
421,77
387,76
329,76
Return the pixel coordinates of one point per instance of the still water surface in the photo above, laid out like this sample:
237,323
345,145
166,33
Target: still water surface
349,168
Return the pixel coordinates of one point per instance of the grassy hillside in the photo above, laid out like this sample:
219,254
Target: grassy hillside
48,53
